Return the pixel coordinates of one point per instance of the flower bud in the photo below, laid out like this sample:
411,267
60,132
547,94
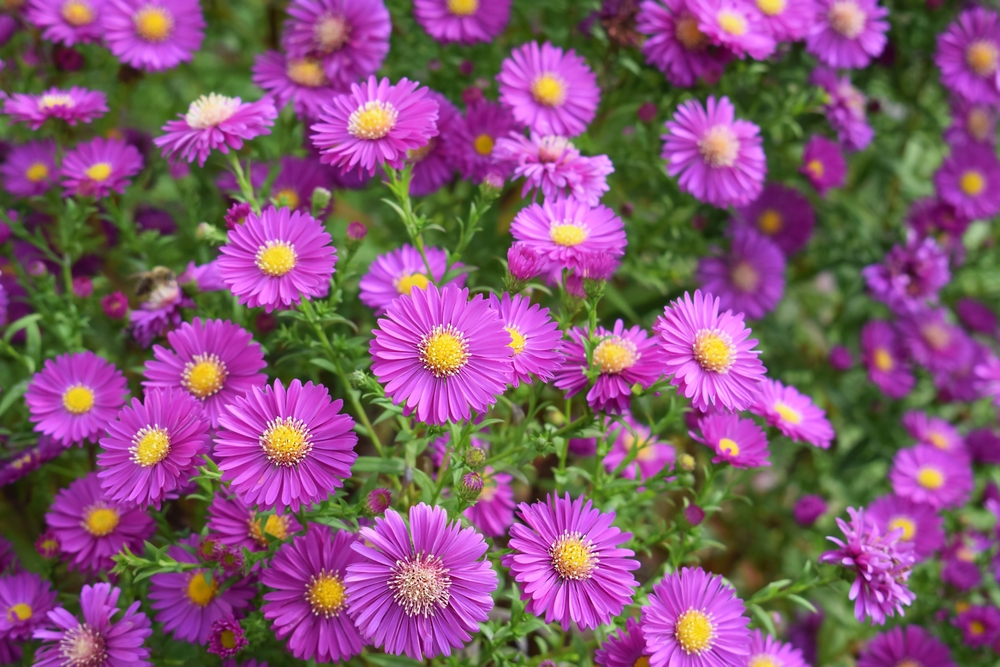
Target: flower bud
840,358
524,262
37,268
694,514
377,502
115,305
808,509
686,462
494,182
82,287
321,198
647,112
472,96
475,457
237,214
471,486
47,545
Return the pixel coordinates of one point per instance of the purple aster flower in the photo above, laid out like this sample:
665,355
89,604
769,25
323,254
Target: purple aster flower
153,35
524,262
420,591
349,38
74,105
823,164
846,107
919,523
375,123
98,640
75,396
750,278
934,431
284,448
308,601
909,645
535,339
711,356
568,231
300,81
694,619
651,455
214,361
227,638
881,565
739,442
766,651
493,512
848,33
236,525
976,315
30,169
793,413
100,166
782,214
969,180
675,44
568,558
153,447
67,22
92,528
441,354
462,21
48,546
808,509
434,163
189,602
910,276
932,216
549,90
971,123
980,625
926,474
840,358
788,20
275,259
215,122
625,648
25,600
885,358
205,278
718,158
150,320
297,179
552,165
736,25
983,445
399,271
475,140
968,55
621,358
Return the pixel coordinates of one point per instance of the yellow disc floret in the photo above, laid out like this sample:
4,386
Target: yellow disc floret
39,171
982,57
327,594
200,591
930,478
78,399
770,222
906,524
729,446
78,13
568,234
276,258
714,350
100,521
719,146
549,89
99,172
204,375
573,556
444,351
732,22
972,183
615,355
286,441
406,282
19,612
372,121
517,340
154,24
484,145
463,7
150,445
306,72
694,631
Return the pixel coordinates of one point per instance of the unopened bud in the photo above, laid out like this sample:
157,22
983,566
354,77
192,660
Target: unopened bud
694,514
47,545
475,457
686,462
321,198
471,486
378,502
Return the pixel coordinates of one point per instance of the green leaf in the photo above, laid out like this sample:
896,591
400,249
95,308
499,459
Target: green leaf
325,364
764,618
19,324
12,395
390,660
375,464
802,602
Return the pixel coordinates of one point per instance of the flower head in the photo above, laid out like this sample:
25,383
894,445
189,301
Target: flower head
651,456
475,140
823,164
908,645
739,442
750,278
980,625
971,123
926,474
227,638
153,35
808,509
68,22
845,108
782,214
233,523
793,413
848,33
737,26
462,21
920,523
675,44
73,105
99,167
910,277
968,55
553,165
934,431
25,600
567,231
301,81
885,358
30,169
493,512
215,122
535,339
766,651
969,180
625,648
401,270
787,20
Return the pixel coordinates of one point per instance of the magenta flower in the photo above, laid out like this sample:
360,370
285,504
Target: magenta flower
434,164
675,44
277,258
549,90
935,343
808,509
475,140
735,25
919,523
420,591
932,216
969,180
968,55
934,431
788,20
75,105
694,619
300,81
902,645
462,21
215,122
441,354
765,649
711,356
794,414
552,165
651,455
398,271
227,638
307,602
926,474
848,33
376,123
971,123
626,648
493,512
717,158
524,262
739,442
782,214
910,277
99,167
535,339
823,164
845,108
67,22
297,179
284,448
233,523
25,600
568,231
569,562
30,169
153,35
980,625
750,278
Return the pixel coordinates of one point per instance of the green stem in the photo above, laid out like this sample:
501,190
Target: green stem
246,188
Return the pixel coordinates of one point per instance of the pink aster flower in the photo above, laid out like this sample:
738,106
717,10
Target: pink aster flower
845,108
794,414
934,431
848,33
535,339
92,528
67,22
694,619
569,561
307,600
233,523
568,231
625,648
675,44
434,164
919,523
750,278
227,638
651,456
765,650
297,179
782,214
493,512
376,123
620,359
736,25
25,600
215,122
475,140
99,167
420,590
980,625
885,358
971,123
399,271
75,105
549,90
932,216
717,158
278,258
788,20
75,396
823,164
349,38
462,21
739,442
968,55
910,644
283,447
926,474
300,81
710,356
30,169
553,166
969,180
153,35
935,343
910,277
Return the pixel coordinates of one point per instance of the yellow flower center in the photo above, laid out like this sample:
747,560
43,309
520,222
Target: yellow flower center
762,660
228,639
200,591
78,399
37,172
19,612
714,350
372,121
982,57
614,355
49,100
306,72
972,183
641,661
847,18
287,198
210,110
204,375
78,13
729,446
976,628
484,145
687,33
517,340
732,22
100,521
882,359
978,123
463,7
930,478
331,33
745,277
421,585
772,7
787,413
406,282
286,441
937,440
770,222
719,147
815,167
444,351
908,662
275,525
905,524
962,606
572,557
568,234
549,89
150,445
694,631
276,258
154,24
99,172
327,594
645,452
